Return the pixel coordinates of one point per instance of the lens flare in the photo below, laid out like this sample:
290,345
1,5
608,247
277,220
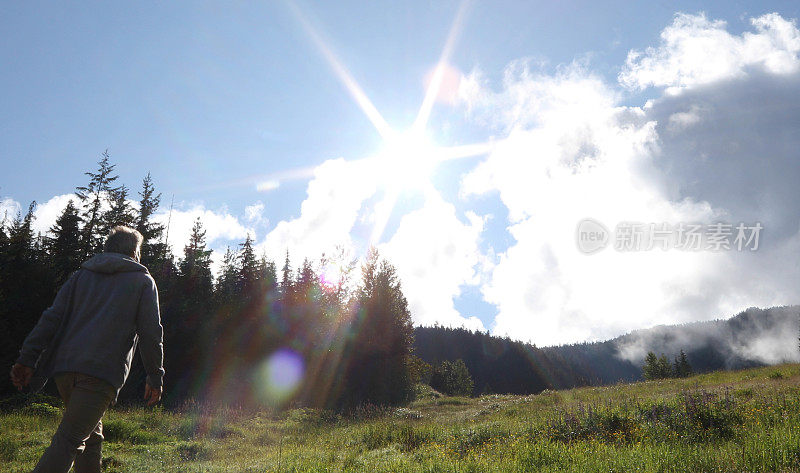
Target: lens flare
330,275
279,376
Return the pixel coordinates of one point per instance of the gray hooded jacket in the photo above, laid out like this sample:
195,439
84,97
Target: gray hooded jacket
95,322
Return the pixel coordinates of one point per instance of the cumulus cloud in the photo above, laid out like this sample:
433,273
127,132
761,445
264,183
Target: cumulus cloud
9,208
45,213
435,253
255,212
695,50
220,225
334,198
573,152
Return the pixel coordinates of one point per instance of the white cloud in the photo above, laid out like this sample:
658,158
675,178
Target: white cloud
220,226
254,213
45,213
572,152
269,185
435,254
695,50
48,212
9,208
334,198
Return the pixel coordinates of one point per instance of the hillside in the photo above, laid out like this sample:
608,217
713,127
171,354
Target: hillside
755,337
724,421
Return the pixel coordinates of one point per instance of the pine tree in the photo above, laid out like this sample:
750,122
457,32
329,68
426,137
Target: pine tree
380,350
195,267
92,197
650,371
682,368
227,288
268,276
120,213
307,283
664,368
153,250
27,284
306,313
248,277
3,235
189,326
64,245
21,241
286,278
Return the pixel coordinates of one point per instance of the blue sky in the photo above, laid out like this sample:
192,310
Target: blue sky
214,98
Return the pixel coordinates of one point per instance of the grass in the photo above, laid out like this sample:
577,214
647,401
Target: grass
718,422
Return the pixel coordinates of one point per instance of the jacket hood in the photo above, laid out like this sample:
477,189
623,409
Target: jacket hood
110,263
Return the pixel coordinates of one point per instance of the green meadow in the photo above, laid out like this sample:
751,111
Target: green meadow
724,421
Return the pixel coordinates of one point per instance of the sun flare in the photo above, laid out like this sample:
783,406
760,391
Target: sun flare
407,160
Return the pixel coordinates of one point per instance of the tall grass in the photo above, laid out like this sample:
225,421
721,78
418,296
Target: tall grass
734,421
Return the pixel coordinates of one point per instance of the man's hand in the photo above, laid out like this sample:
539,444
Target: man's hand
151,395
21,375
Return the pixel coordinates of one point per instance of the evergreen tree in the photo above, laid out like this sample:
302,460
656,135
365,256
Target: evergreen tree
651,370
3,236
286,279
194,268
188,323
92,197
383,336
21,241
682,368
27,285
153,250
268,275
656,367
120,213
664,367
306,314
227,288
64,245
307,283
248,277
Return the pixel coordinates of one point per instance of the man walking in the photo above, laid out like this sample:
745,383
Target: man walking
86,341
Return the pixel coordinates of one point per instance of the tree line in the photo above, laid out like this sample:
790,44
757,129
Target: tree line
659,367
352,335
349,339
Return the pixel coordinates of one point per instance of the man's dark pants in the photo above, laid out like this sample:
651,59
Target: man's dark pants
79,437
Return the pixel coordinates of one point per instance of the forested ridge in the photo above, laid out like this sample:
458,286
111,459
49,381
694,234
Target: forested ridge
754,337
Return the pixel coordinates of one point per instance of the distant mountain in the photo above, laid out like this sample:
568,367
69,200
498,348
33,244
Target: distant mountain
755,337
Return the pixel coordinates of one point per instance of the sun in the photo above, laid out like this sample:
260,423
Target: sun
407,160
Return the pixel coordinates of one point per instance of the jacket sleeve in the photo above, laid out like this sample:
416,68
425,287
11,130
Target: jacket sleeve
151,334
42,334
